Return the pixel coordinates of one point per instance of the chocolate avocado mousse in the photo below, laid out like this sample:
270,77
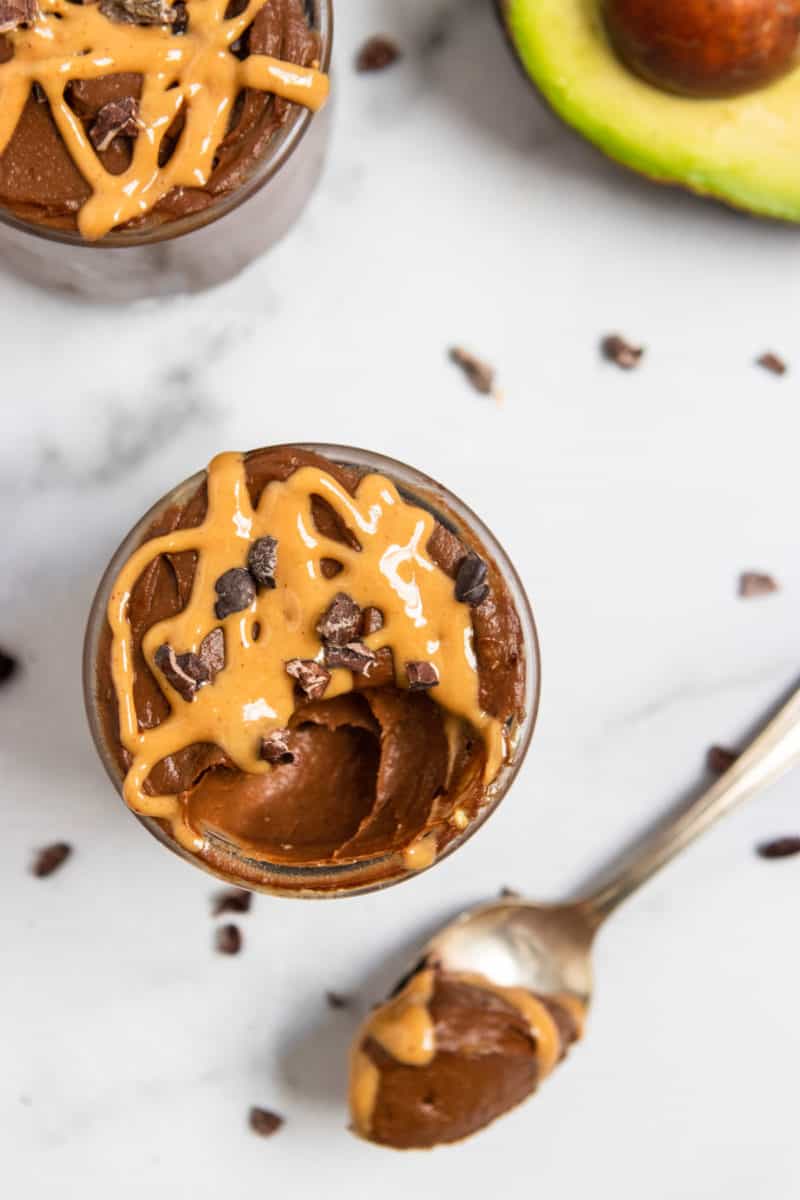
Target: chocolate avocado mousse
449,1053
125,111
302,668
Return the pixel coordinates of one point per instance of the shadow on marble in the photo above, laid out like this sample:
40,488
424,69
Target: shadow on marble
46,725
314,1061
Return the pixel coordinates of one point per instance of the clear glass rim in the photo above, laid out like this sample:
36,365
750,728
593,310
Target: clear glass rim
231,864
280,148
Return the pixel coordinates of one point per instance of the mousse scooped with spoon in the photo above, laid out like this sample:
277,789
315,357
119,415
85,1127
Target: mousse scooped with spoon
499,995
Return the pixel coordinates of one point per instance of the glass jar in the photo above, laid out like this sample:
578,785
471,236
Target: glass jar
194,252
222,857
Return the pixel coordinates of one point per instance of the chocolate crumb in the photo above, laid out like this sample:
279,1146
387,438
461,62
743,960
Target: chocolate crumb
180,21
212,651
507,893
236,590
8,666
139,12
719,759
355,657
231,900
50,858
330,567
336,1000
479,373
421,676
262,561
312,678
341,621
265,1123
379,673
771,362
119,117
14,13
471,585
184,672
376,54
621,353
753,583
783,847
275,748
371,621
228,939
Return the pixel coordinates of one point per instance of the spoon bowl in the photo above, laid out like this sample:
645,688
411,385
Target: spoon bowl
544,948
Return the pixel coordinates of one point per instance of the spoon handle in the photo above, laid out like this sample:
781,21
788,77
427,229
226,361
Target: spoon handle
773,752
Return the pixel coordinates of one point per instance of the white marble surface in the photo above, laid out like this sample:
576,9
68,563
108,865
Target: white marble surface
453,208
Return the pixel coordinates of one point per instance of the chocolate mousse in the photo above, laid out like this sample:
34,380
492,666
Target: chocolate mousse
449,1053
302,666
130,110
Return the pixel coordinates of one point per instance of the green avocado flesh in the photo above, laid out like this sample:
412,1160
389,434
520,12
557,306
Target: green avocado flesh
743,150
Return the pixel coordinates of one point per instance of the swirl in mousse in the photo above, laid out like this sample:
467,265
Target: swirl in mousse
449,1053
129,111
305,680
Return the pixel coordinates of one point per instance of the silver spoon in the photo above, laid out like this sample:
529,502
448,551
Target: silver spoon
546,948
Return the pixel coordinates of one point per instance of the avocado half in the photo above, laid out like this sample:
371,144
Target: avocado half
743,150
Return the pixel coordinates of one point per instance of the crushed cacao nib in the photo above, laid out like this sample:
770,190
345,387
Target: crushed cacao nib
139,12
784,847
262,561
14,13
753,583
771,362
264,1123
471,585
228,939
341,621
719,759
212,651
275,748
621,353
378,674
421,676
8,666
50,858
337,1000
371,621
312,678
479,373
376,54
355,657
117,117
236,590
180,22
231,900
184,672
330,567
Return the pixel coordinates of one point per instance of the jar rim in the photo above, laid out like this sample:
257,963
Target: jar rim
224,859
279,150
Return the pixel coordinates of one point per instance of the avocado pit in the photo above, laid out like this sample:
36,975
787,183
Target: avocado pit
705,48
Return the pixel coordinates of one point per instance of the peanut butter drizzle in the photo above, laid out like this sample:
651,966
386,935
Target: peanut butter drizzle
404,1028
253,694
195,71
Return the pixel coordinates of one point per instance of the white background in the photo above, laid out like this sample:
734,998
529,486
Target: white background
453,209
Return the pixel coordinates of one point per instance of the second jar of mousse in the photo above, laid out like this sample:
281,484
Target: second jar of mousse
148,147
311,670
